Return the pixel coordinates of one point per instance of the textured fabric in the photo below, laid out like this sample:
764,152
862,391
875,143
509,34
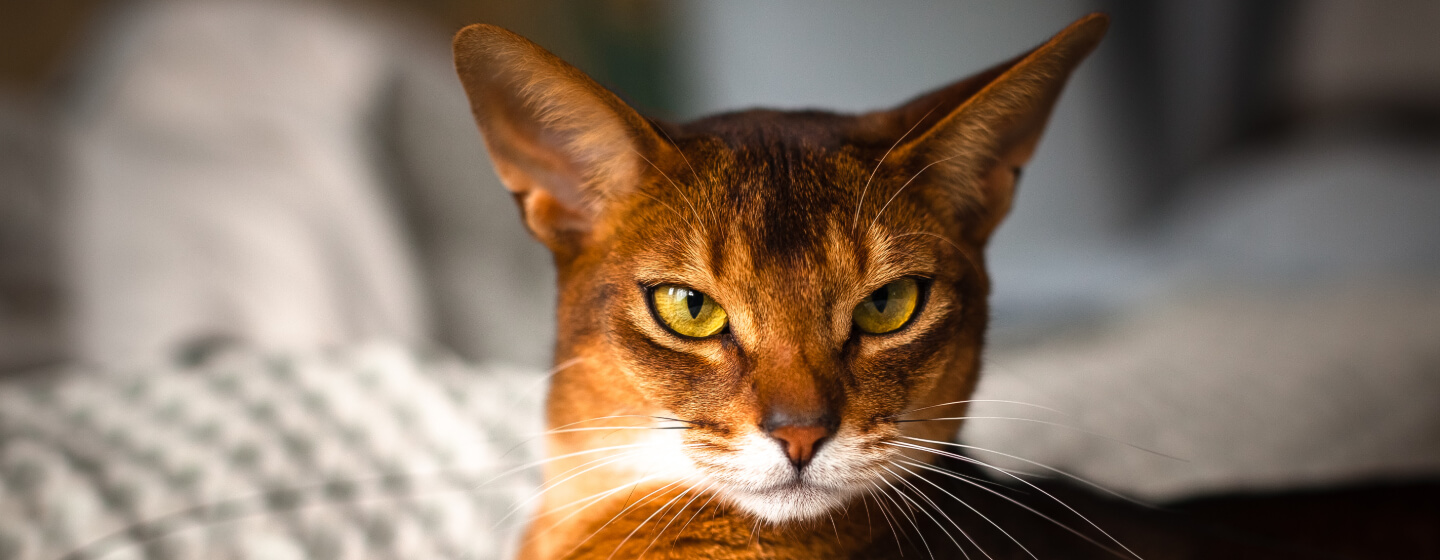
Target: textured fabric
372,452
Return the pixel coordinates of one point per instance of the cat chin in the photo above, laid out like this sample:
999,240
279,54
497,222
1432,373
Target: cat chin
790,503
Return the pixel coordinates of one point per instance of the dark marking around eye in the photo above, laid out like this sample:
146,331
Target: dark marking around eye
879,298
694,300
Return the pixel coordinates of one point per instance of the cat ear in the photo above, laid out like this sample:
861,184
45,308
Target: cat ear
978,132
562,144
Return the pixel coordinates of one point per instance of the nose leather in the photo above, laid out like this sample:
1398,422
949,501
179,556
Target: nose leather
800,442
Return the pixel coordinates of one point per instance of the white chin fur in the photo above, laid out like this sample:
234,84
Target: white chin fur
789,503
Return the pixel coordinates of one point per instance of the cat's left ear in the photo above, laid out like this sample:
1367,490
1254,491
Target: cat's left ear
563,145
977,133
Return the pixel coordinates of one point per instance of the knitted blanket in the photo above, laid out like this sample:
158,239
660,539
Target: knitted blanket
370,452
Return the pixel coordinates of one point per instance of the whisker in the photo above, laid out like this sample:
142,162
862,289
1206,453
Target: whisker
647,520
562,366
1055,424
968,401
546,460
691,422
911,519
968,506
578,422
593,500
869,524
548,486
885,512
605,428
969,259
643,500
710,206
858,205
669,207
552,485
1061,472
677,188
1052,520
942,513
907,183
677,515
1037,489
692,517
963,458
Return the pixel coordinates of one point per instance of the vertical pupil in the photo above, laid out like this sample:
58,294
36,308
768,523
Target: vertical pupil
694,300
880,298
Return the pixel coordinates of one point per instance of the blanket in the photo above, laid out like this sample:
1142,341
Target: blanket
369,452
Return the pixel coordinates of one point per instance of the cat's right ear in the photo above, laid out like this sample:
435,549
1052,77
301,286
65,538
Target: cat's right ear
563,145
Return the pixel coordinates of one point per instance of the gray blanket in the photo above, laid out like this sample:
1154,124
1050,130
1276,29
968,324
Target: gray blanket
373,452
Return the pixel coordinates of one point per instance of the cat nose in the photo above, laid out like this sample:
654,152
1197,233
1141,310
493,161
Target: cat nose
800,442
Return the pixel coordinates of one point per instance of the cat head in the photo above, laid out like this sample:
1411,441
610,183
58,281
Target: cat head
786,285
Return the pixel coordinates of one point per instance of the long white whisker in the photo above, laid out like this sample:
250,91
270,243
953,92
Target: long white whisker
546,460
677,188
1060,472
1052,520
963,458
710,205
604,428
595,499
907,183
647,520
1040,490
692,517
578,422
976,511
908,517
968,401
562,366
661,534
885,512
1055,424
548,486
551,486
622,512
856,222
592,499
969,259
937,521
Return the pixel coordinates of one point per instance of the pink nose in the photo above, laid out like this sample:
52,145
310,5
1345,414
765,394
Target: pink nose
800,442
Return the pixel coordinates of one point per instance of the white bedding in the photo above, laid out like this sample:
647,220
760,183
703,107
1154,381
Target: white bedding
369,452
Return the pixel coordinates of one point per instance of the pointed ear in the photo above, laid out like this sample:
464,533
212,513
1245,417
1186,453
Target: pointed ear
977,133
563,145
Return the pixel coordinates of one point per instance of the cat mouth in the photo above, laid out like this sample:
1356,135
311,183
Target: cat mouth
794,500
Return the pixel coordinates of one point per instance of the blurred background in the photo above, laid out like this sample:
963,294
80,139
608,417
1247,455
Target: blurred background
1227,247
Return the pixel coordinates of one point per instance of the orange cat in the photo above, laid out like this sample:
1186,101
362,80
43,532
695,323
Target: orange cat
752,302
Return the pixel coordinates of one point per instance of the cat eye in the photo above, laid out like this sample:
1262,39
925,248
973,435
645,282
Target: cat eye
888,308
687,312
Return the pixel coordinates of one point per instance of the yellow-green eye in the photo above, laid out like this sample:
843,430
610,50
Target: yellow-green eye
889,307
687,311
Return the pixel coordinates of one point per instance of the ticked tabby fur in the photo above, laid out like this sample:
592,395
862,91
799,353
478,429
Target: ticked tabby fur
767,423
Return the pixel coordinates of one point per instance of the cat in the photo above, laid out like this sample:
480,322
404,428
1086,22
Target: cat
755,307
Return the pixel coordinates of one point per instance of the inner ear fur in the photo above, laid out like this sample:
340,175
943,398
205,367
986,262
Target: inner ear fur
975,134
561,143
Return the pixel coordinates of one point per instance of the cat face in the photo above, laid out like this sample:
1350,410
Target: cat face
782,288
787,392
